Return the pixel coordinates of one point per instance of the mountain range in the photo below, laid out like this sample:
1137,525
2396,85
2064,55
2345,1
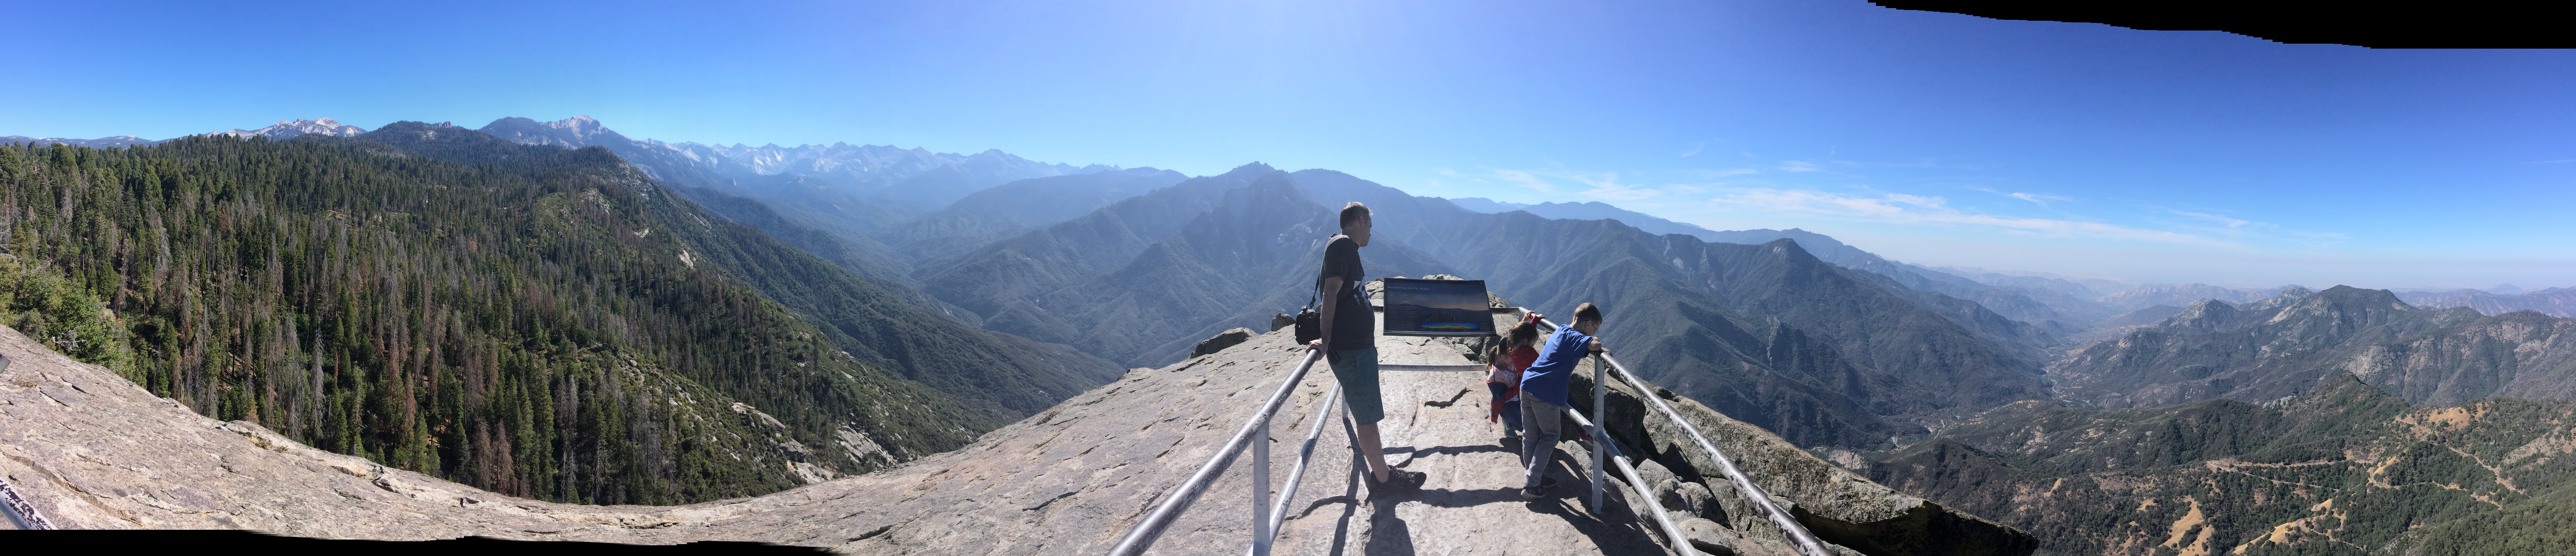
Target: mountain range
99,143
2284,346
2556,302
2345,468
950,294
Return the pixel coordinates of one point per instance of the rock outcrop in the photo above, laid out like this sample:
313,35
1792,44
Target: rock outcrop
1222,340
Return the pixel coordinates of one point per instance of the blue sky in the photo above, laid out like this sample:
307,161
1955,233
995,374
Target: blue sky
1936,138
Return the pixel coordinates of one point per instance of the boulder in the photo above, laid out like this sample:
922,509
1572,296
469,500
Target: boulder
1221,341
1709,537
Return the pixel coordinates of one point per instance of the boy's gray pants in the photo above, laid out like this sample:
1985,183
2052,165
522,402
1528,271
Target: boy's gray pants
1538,444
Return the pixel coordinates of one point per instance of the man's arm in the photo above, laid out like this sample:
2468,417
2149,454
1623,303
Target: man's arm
1324,314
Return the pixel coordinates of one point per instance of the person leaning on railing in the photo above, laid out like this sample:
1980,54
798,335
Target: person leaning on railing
1543,396
1350,344
1505,363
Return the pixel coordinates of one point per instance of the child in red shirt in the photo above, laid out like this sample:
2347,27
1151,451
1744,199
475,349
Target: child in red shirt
1507,360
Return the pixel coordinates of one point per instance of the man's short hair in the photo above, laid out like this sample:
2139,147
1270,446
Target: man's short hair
1587,312
1352,213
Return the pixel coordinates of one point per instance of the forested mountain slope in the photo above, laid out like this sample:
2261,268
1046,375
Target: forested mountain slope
547,323
1143,279
2343,469
2053,311
714,182
878,321
1017,207
849,193
2284,346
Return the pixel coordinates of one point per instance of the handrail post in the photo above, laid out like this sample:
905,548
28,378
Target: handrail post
1261,489
1598,394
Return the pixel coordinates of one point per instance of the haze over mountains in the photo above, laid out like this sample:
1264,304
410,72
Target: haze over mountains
979,289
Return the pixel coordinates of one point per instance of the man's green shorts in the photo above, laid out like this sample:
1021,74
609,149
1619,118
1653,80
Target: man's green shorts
1357,371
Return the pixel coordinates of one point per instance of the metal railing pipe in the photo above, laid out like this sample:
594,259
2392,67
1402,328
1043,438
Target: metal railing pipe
1151,528
21,514
1798,536
1672,529
1297,473
1598,396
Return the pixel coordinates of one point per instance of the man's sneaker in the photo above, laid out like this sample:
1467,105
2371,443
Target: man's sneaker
1397,480
1527,494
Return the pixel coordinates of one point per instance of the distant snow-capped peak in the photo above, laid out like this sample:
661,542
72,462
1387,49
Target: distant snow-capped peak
291,128
584,127
571,133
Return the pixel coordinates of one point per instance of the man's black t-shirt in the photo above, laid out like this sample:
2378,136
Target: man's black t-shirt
1354,325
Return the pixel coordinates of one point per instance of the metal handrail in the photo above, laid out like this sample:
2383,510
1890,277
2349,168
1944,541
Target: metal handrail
1279,513
1151,528
1797,534
21,515
1603,443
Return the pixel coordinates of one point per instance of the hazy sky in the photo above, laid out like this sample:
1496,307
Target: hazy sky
1935,138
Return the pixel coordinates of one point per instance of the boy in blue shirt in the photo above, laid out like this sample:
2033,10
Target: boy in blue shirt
1543,395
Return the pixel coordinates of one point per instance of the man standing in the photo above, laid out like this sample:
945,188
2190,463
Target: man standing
1543,396
1350,344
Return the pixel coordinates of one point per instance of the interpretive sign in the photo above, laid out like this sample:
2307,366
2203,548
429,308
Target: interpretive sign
1417,307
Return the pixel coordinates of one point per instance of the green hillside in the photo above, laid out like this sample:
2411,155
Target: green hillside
546,323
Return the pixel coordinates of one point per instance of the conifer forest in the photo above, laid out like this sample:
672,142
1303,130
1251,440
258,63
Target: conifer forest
541,323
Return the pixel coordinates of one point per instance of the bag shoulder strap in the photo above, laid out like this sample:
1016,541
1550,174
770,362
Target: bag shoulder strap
1315,292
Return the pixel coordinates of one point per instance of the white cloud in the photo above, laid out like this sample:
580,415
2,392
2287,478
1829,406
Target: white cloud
2042,199
1525,179
1621,192
1917,209
2230,222
1600,185
1693,148
1799,166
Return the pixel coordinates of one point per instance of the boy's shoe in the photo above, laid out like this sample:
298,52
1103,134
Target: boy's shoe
1544,484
